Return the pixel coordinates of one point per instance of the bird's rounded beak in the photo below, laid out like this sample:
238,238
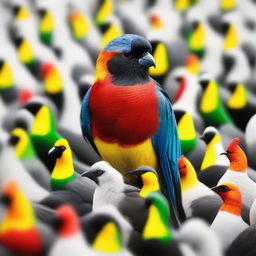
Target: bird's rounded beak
201,137
90,175
220,189
147,61
55,152
224,153
13,140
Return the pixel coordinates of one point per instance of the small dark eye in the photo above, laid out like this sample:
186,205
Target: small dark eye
184,166
127,54
99,173
224,188
63,148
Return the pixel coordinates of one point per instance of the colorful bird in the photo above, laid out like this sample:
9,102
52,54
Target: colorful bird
25,151
237,173
197,199
149,179
63,171
19,230
128,118
228,222
157,236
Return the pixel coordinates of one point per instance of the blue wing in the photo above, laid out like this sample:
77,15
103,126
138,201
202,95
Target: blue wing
166,144
85,118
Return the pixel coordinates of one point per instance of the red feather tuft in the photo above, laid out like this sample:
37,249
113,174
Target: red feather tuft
233,144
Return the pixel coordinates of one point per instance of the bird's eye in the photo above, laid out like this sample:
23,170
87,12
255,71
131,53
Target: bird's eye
184,166
99,173
63,148
127,54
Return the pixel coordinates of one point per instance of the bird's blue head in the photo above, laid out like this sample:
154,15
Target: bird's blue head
127,59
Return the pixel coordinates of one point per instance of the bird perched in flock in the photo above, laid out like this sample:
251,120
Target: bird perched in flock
187,135
19,230
53,84
191,146
63,171
94,221
228,222
211,106
46,26
149,179
69,240
66,184
213,110
8,91
214,148
160,53
157,236
136,125
214,165
18,172
25,151
237,173
43,136
111,189
198,200
241,104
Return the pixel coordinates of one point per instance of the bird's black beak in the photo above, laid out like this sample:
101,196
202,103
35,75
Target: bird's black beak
204,84
56,152
41,12
13,140
224,28
1,63
33,108
15,9
224,153
201,137
147,60
93,175
5,200
221,188
55,223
